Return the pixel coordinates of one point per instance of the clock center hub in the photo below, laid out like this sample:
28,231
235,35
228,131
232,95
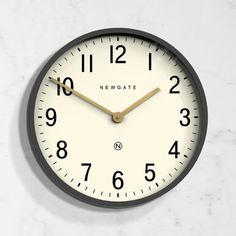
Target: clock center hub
117,117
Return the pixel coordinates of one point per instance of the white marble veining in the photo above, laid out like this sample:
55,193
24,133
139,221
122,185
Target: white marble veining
204,31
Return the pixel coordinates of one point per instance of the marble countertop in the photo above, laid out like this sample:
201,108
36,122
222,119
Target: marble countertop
204,31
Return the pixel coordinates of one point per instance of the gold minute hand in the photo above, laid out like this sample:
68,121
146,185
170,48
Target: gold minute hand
86,99
140,101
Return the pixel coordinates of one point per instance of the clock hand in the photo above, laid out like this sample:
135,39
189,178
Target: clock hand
86,99
140,101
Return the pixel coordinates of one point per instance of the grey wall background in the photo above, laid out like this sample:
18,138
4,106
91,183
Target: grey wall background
204,31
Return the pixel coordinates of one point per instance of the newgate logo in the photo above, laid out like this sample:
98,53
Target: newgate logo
118,87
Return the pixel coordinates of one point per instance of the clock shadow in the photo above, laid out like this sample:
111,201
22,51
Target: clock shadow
45,193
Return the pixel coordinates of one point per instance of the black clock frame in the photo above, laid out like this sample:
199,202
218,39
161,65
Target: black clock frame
203,117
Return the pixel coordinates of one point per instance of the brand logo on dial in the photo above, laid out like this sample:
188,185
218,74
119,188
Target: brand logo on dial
118,87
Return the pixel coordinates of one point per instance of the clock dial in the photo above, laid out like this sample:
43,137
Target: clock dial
117,117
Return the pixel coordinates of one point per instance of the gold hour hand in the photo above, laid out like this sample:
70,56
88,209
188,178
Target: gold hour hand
81,96
140,101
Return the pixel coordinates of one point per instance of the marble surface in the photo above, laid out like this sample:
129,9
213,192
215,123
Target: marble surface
204,31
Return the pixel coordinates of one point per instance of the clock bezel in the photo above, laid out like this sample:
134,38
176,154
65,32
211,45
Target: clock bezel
202,104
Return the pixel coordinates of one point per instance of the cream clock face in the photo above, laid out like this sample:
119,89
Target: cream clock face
117,117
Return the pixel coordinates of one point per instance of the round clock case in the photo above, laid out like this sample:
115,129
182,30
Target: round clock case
117,37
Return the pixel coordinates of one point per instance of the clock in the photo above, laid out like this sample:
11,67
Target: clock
117,117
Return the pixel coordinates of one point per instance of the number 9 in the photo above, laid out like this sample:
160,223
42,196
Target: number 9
51,115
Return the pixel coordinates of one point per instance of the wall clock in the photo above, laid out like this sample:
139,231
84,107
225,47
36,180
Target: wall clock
117,117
